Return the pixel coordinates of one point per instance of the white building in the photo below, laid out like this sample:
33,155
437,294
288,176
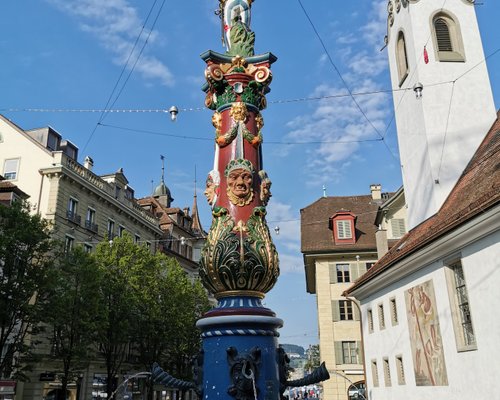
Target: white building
429,331
439,132
426,306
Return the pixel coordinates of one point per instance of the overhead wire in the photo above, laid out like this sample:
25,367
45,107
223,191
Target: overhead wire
279,101
342,78
104,113
211,139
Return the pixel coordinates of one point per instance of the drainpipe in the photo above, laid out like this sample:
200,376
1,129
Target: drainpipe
355,302
40,193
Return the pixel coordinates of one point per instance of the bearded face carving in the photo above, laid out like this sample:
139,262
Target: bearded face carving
239,187
239,179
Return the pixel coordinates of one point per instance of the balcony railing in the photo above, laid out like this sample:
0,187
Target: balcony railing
91,226
73,217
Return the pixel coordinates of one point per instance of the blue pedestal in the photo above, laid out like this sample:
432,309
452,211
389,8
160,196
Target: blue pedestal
240,351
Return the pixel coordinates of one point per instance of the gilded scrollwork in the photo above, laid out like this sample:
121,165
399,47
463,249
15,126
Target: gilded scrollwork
239,261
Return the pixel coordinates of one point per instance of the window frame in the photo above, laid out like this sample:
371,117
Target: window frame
381,316
351,347
5,174
400,370
69,243
375,378
393,306
343,226
345,273
111,228
456,313
387,372
344,229
457,54
402,57
371,326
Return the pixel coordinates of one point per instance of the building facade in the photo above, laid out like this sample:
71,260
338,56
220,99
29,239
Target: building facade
84,209
436,49
426,305
339,244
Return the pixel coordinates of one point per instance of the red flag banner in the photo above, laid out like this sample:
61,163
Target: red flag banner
426,56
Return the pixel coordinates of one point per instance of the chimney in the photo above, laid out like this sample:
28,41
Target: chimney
89,163
382,243
186,211
376,190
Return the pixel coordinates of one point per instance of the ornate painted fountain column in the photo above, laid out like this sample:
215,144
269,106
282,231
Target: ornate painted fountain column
239,263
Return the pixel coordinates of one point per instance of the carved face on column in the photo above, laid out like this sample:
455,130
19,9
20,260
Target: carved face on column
212,187
239,178
239,186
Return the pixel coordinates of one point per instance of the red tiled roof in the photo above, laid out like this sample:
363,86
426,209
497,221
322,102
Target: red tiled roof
6,186
317,237
477,190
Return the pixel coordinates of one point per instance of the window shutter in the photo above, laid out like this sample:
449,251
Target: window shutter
344,229
443,35
339,359
333,272
354,270
335,311
398,227
355,311
359,349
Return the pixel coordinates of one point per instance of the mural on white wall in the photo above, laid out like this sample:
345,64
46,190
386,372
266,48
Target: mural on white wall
425,336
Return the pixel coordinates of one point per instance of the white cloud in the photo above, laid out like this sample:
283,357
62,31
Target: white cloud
338,121
116,24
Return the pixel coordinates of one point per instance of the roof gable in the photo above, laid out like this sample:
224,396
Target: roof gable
477,190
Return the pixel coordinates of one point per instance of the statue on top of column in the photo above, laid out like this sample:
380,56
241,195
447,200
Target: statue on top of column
235,18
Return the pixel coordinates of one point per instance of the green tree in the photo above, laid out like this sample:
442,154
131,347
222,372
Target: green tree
72,316
25,267
149,310
313,358
116,260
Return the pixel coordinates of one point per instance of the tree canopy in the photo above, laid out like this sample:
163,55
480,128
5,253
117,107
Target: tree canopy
25,267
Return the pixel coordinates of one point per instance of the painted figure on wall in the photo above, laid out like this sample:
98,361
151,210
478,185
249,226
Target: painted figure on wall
425,336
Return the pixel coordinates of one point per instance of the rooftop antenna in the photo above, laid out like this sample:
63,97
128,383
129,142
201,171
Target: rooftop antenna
324,190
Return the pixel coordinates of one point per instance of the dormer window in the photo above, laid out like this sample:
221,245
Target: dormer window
343,224
344,229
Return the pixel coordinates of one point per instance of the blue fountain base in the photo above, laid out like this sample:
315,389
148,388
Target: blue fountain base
240,348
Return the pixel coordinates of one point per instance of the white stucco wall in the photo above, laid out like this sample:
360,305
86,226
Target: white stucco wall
431,145
469,373
32,158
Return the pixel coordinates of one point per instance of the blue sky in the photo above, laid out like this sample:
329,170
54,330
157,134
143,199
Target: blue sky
68,54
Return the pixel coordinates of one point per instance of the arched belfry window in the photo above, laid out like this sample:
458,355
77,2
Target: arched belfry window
401,58
447,38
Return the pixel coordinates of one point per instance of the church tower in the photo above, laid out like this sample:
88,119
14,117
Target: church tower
442,96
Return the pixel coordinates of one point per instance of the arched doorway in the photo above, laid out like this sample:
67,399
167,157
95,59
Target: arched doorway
356,391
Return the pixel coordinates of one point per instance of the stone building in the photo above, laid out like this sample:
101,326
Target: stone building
84,208
339,243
